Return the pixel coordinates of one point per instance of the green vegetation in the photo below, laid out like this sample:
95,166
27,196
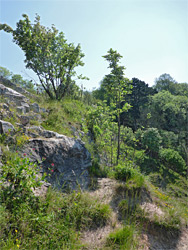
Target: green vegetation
30,222
136,134
123,238
48,54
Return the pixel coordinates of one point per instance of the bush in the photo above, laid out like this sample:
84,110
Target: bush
173,160
125,172
151,139
122,238
19,177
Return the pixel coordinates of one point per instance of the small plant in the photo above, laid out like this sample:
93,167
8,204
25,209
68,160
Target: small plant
122,238
21,140
19,177
124,172
130,175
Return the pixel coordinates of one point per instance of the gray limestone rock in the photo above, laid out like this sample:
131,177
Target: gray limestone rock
6,127
65,159
20,110
5,106
43,110
1,152
26,107
24,120
12,94
35,107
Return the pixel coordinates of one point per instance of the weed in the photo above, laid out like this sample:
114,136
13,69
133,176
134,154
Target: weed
123,238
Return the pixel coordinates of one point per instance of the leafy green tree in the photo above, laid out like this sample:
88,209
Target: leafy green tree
173,160
117,86
151,139
138,99
165,82
169,112
5,73
48,54
17,79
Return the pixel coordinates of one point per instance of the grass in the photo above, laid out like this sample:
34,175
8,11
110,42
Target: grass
123,238
55,225
63,115
53,221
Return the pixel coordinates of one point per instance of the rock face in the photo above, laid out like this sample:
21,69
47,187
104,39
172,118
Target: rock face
65,159
6,127
12,94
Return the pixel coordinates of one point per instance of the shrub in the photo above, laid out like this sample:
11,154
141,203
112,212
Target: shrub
173,160
122,238
19,177
151,139
124,172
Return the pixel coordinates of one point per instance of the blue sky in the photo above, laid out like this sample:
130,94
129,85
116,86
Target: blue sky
151,35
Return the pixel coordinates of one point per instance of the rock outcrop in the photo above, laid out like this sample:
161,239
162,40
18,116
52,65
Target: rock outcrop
12,95
6,127
65,160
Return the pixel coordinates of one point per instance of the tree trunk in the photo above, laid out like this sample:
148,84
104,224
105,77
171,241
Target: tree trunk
118,146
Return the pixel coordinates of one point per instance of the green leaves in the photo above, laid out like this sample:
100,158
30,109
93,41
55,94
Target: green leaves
18,179
48,54
117,86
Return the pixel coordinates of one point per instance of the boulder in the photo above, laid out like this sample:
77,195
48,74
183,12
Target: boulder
26,107
12,94
20,110
6,127
24,120
42,110
35,107
14,86
65,160
5,106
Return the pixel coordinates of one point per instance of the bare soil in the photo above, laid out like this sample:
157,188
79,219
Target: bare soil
152,237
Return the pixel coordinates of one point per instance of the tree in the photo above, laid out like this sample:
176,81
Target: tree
117,86
5,73
138,99
151,139
48,54
165,82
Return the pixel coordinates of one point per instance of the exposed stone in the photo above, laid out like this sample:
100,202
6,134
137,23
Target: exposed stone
6,127
35,107
20,109
5,106
14,86
24,120
26,107
1,152
66,159
42,110
12,94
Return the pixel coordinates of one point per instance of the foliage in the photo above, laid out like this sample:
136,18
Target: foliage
18,79
129,174
117,86
123,238
151,139
5,73
165,82
138,99
48,54
30,222
173,160
19,177
169,112
125,172
64,116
